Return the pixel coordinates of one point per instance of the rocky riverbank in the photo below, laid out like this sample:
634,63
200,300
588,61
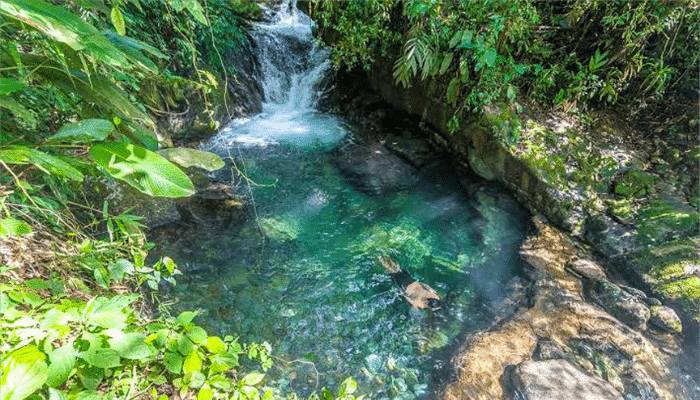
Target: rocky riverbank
599,297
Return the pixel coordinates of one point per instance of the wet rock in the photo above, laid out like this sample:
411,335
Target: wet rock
561,324
665,318
416,151
627,308
557,380
213,205
373,169
586,269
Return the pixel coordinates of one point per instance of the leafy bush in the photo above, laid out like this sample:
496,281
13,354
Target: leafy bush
572,53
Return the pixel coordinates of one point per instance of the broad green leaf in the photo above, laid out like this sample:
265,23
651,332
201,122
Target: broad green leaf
185,318
13,227
102,357
47,163
61,25
107,313
118,20
197,334
132,346
192,363
184,345
55,318
87,130
119,268
186,157
446,62
173,362
24,371
135,50
215,345
143,169
100,90
9,85
456,38
196,379
90,377
205,394
62,360
253,378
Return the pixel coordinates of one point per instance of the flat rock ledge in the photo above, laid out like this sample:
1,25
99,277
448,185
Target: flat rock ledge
562,338
556,380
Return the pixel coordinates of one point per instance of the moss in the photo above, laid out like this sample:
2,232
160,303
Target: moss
635,184
684,289
650,261
665,219
621,209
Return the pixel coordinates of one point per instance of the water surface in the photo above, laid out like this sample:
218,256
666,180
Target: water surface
301,272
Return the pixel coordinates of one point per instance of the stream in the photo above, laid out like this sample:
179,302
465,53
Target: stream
301,272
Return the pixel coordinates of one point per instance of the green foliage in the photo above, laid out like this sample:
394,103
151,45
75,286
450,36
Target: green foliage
186,158
101,345
143,169
572,53
360,30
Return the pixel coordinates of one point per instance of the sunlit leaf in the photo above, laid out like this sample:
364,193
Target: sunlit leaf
62,360
197,334
13,227
45,162
143,169
253,378
215,345
192,363
196,10
187,158
19,111
61,25
87,130
24,371
132,346
185,318
118,20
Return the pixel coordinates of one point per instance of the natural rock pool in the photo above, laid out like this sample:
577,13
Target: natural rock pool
301,272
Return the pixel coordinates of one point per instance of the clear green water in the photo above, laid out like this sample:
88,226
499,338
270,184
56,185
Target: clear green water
305,279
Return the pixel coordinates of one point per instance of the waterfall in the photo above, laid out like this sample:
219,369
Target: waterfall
292,67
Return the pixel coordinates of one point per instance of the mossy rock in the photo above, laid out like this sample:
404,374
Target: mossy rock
635,184
283,230
664,219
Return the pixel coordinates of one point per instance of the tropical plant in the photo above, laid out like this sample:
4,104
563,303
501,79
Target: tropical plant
574,53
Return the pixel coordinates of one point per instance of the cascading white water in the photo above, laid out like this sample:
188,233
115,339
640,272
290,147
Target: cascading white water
292,67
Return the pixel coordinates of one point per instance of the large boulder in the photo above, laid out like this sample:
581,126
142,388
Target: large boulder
556,380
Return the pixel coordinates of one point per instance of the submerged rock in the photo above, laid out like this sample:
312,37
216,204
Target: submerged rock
373,169
556,380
